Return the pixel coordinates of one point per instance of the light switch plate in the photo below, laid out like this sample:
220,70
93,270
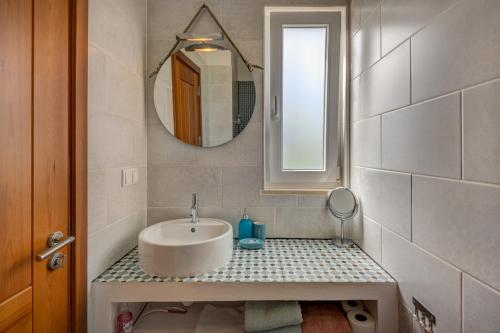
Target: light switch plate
135,175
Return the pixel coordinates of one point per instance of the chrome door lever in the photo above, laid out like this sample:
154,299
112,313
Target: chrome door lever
55,243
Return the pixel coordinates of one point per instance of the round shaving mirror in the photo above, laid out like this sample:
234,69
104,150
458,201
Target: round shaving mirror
343,204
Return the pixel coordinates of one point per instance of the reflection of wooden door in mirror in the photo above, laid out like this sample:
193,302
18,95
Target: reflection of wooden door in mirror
186,79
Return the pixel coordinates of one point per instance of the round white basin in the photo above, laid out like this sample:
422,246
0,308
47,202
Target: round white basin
179,248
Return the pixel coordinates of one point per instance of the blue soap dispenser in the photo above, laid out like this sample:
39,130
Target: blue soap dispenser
245,228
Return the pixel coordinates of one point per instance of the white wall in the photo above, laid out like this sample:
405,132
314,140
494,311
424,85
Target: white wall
426,151
116,129
228,177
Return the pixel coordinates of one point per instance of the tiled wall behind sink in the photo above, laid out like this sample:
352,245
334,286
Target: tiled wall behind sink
425,106
228,178
116,130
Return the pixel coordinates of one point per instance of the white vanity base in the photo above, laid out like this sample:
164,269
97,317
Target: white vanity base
105,294
286,269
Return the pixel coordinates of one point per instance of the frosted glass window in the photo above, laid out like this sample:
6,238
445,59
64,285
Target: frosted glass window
304,98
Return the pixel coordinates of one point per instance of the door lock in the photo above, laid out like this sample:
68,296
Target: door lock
56,261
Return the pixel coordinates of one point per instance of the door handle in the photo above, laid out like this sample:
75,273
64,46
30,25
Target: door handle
55,243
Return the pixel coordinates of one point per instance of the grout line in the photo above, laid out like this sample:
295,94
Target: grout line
411,75
462,309
411,208
461,135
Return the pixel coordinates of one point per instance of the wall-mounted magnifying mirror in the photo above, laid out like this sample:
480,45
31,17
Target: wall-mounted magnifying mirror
343,204
204,92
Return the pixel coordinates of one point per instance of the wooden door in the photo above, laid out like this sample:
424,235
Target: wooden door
186,99
38,174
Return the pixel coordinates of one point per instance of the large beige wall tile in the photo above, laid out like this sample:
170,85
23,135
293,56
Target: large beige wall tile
356,112
242,187
110,141
355,16
124,200
424,138
172,186
96,80
481,307
430,280
368,235
119,29
97,201
385,197
367,8
125,91
245,149
366,44
366,143
402,18
232,215
457,50
458,221
306,223
386,85
481,133
166,18
108,245
165,149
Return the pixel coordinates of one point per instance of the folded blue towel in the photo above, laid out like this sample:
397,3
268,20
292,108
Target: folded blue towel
265,316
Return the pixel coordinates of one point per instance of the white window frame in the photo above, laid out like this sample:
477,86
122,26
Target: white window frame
297,181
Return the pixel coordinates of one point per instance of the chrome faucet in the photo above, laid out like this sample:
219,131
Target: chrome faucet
194,207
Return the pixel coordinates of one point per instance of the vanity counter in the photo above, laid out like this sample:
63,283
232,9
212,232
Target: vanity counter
281,260
286,269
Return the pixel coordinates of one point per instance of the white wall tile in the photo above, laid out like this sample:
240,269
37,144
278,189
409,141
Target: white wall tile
119,28
172,186
368,235
481,307
242,187
245,149
481,134
424,138
385,197
469,55
367,8
430,280
355,16
313,200
366,143
165,149
110,141
96,80
108,245
402,18
386,85
356,111
306,223
97,201
232,215
458,221
366,44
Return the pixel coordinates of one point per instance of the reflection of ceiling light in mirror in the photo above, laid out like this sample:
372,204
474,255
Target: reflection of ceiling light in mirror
204,47
199,37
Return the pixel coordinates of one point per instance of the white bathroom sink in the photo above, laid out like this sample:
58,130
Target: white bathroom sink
179,248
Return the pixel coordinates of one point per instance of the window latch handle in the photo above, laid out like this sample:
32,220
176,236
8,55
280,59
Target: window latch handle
275,112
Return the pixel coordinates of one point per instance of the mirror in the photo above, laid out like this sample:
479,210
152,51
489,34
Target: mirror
204,93
343,204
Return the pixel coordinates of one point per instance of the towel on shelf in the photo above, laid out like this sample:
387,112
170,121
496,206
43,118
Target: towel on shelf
286,329
215,319
265,316
322,317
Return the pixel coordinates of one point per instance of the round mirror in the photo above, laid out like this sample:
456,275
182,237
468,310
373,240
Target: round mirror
204,93
343,204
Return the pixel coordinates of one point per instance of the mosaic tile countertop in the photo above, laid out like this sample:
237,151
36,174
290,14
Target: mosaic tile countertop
281,260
